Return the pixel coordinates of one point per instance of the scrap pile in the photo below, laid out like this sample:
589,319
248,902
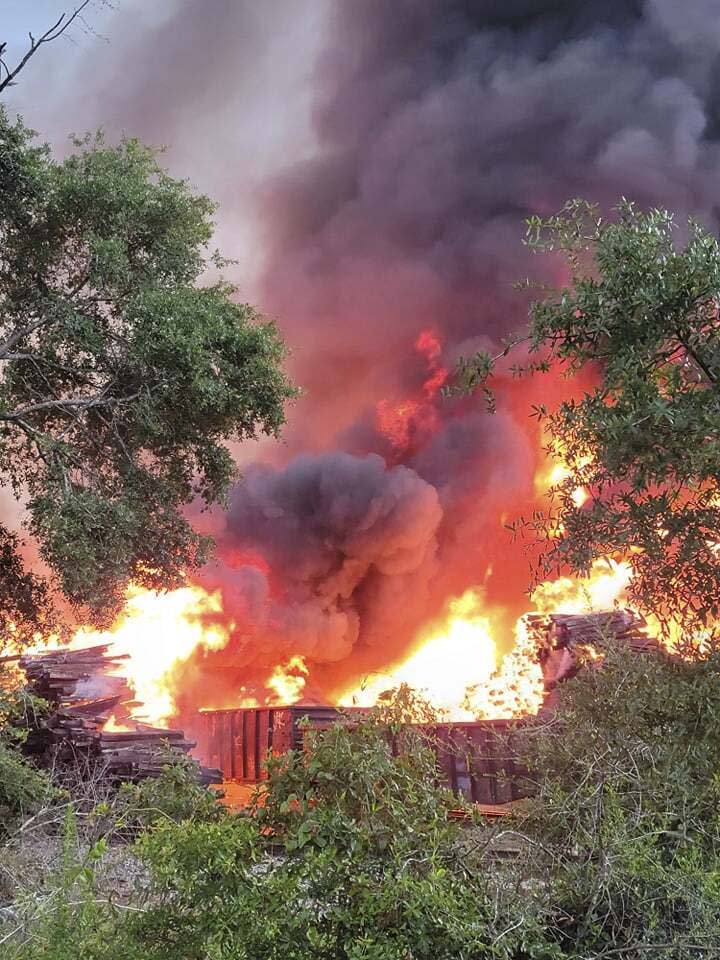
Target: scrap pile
90,718
565,641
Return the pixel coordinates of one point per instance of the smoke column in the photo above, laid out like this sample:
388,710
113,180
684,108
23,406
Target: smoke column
386,170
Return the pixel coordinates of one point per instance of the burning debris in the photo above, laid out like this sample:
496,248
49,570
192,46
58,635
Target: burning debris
91,716
95,713
473,755
565,642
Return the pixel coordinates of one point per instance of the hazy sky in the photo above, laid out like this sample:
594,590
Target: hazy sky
131,68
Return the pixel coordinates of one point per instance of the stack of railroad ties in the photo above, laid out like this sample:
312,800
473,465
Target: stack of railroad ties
90,718
565,642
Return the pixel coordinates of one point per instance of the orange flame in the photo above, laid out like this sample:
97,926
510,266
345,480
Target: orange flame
456,661
399,422
156,631
115,725
287,681
451,656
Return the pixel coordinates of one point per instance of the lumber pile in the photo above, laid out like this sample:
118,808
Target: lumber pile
565,641
91,716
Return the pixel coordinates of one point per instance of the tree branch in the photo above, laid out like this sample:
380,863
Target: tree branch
17,335
52,33
70,403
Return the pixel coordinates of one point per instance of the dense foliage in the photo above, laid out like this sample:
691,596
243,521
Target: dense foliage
351,852
640,316
122,377
626,820
23,788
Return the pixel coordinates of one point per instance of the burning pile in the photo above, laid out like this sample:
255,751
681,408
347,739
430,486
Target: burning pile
91,715
344,574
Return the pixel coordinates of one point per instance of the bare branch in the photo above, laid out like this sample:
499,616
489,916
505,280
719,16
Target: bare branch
52,33
17,335
68,404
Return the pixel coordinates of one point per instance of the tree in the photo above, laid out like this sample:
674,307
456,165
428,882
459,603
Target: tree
122,375
640,313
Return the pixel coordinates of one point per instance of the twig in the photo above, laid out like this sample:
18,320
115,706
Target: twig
52,33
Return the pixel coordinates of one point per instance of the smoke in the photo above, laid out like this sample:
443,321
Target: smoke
441,126
318,559
374,164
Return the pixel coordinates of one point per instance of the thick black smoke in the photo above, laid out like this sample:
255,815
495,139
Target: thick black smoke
437,126
441,126
318,560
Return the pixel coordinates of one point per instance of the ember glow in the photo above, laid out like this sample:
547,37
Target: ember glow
287,682
410,420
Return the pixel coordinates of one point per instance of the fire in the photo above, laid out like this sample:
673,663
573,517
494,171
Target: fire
396,421
516,689
553,471
401,422
115,725
459,662
456,662
287,681
156,631
603,589
451,657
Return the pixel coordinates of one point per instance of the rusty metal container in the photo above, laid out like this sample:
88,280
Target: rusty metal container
473,758
239,740
477,763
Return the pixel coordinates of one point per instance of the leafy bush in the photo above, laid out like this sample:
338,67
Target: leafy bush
350,853
23,787
626,818
175,795
65,919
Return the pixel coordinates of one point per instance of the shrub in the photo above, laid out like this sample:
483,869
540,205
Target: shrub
349,855
175,795
626,819
24,789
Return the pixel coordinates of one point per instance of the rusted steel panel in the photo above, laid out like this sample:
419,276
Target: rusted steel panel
214,740
264,721
226,741
474,759
282,731
250,747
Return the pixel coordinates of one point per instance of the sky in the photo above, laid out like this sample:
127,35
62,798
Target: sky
112,70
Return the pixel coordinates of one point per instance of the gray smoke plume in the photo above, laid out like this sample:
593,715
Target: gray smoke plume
318,559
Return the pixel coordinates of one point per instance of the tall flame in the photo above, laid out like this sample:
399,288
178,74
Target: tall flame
156,631
456,661
451,656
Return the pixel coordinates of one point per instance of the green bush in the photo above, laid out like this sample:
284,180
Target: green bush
349,855
24,788
626,818
175,795
66,919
